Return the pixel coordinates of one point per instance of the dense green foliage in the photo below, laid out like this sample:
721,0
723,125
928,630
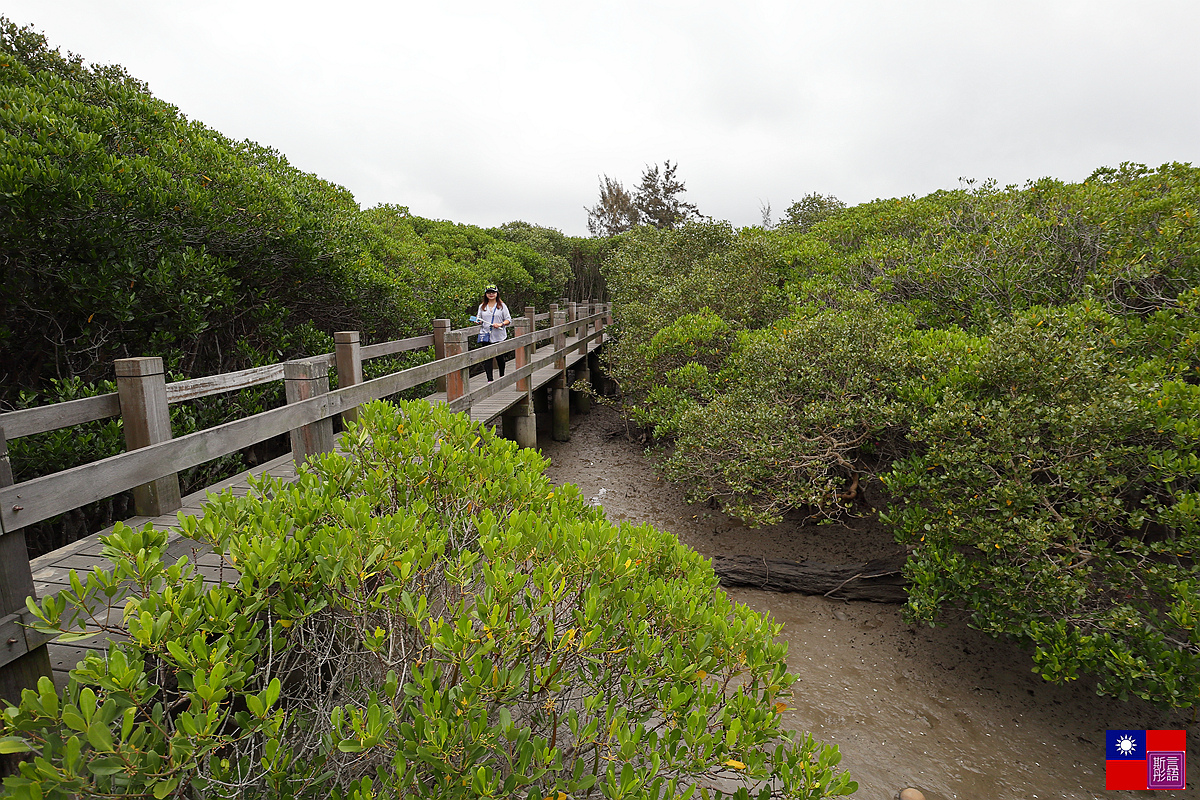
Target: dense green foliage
128,230
1021,367
427,616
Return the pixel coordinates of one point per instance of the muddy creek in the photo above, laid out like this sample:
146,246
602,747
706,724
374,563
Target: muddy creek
948,710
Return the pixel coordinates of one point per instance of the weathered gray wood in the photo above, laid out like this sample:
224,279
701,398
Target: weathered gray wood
370,351
44,497
146,419
458,380
347,349
465,401
560,329
304,379
880,580
522,355
19,667
560,404
29,421
585,312
440,328
193,388
6,472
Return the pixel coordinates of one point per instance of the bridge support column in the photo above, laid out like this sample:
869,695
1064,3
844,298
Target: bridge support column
302,379
582,400
561,402
520,423
146,418
347,351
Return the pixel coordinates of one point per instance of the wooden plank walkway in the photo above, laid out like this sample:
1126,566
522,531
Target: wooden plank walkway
51,572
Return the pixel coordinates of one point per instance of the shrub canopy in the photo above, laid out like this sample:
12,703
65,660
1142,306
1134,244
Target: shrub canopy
426,615
1021,367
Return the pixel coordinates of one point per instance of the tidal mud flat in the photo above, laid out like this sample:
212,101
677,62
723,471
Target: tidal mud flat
947,710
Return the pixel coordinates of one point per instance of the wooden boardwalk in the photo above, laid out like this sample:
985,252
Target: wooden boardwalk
51,572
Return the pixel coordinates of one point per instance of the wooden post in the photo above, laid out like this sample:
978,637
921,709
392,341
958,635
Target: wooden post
531,349
553,311
347,352
6,472
521,356
142,389
302,379
16,583
585,311
440,328
458,382
561,431
520,414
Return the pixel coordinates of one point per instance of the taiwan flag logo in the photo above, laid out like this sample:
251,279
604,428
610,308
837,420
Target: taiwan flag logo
1145,760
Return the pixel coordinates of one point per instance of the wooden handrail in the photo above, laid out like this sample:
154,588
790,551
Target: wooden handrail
38,499
505,381
42,419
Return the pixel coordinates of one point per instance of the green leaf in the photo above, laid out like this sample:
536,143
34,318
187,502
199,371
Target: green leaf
13,744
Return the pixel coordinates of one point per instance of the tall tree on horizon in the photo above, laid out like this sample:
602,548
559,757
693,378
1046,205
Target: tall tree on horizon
616,211
657,198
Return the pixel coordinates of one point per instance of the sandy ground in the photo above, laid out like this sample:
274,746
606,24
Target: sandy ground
947,710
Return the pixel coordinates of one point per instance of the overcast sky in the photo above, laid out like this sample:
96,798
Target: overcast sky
486,112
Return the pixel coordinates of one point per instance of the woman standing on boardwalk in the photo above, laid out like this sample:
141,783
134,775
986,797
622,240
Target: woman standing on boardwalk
494,320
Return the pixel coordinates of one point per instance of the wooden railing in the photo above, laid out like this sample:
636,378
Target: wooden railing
154,457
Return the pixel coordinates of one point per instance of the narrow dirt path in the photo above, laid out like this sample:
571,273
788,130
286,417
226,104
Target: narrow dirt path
947,710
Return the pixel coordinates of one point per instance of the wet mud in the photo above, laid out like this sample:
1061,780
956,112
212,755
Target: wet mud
947,710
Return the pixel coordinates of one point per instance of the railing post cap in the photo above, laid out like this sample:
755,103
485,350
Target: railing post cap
138,367
305,368
441,323
346,337
456,336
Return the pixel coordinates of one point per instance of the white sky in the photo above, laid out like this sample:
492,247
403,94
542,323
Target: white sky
486,112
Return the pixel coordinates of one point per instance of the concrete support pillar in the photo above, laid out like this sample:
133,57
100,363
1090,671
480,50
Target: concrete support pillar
347,353
303,379
582,400
142,388
520,423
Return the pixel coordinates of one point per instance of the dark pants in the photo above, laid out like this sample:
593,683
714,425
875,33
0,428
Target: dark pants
487,365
